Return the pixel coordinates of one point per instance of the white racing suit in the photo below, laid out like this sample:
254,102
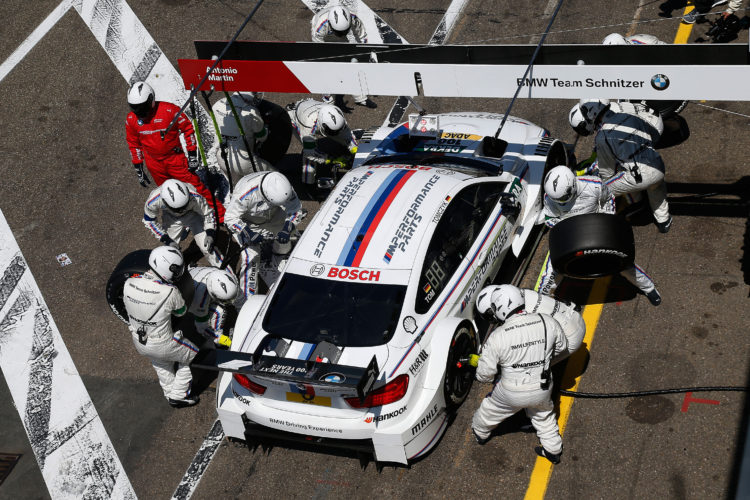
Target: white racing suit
209,314
570,320
249,209
522,348
304,117
198,218
320,31
240,161
150,304
643,39
593,197
627,160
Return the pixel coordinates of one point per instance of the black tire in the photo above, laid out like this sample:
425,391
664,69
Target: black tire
279,132
133,263
458,374
666,108
591,246
136,263
557,155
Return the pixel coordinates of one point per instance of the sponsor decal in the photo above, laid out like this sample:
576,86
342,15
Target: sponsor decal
595,251
283,370
410,324
335,378
317,270
409,222
587,83
486,264
304,427
425,420
385,416
221,74
241,398
441,148
341,201
458,135
344,273
660,82
441,209
418,363
528,365
442,171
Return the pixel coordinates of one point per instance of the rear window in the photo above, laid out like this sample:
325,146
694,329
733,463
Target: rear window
347,314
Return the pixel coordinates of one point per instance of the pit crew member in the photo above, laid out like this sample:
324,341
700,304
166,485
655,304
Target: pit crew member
182,210
163,157
240,163
215,291
151,299
567,196
565,313
628,163
333,24
522,347
314,121
263,206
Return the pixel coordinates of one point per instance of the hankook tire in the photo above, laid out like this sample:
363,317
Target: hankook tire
458,374
591,245
279,132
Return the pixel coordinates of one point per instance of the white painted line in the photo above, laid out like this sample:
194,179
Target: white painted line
136,55
36,35
200,463
67,436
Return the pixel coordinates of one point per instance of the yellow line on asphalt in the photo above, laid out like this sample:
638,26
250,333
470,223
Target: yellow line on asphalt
543,468
684,30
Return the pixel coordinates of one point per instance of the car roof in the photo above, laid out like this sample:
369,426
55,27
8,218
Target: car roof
376,217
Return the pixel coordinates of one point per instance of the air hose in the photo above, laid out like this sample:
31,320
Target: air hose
635,394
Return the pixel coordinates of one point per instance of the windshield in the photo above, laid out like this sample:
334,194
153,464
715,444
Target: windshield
347,314
471,165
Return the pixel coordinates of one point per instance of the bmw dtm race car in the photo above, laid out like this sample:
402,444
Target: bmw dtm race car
362,341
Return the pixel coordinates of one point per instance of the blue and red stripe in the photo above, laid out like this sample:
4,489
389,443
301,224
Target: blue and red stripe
356,245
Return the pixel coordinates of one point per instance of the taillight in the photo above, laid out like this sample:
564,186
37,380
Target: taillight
249,384
389,393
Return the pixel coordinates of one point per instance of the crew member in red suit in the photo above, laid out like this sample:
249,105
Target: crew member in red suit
163,157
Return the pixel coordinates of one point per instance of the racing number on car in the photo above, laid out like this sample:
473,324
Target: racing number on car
435,276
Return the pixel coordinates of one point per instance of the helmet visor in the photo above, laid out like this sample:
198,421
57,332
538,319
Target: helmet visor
143,109
176,270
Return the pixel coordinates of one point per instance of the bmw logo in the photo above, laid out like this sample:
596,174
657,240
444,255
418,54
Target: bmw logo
660,82
335,378
317,270
140,122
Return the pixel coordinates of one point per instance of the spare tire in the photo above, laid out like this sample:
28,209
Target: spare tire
591,246
279,132
133,263
137,263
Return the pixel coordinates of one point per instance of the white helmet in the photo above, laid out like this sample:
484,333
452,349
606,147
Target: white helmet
167,263
340,20
175,194
592,109
330,120
614,39
222,286
560,184
275,188
507,300
579,124
484,302
142,99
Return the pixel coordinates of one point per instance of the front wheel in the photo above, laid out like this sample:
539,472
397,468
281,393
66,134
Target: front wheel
459,375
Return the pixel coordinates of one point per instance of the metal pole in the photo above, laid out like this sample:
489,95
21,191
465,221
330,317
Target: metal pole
528,68
216,63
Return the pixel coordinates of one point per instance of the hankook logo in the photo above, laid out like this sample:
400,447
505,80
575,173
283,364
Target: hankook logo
660,82
317,270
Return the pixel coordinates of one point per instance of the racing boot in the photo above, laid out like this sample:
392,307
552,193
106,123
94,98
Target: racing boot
654,297
183,403
554,458
480,440
664,227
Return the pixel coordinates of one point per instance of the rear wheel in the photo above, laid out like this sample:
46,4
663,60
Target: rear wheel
279,132
458,373
133,263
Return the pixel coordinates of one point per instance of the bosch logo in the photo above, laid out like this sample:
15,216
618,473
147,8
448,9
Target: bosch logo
317,270
660,82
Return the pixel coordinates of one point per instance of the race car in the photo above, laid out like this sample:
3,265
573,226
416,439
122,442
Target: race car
362,342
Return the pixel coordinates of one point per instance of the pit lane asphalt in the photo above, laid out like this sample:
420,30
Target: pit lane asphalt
68,187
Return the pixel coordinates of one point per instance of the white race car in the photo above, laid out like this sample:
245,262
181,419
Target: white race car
362,341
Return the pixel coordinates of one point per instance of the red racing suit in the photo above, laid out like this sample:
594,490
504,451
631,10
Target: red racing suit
164,157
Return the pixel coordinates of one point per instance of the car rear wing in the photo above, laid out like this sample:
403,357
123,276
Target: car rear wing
296,371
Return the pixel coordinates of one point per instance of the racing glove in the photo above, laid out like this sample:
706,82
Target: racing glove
474,360
166,240
224,341
285,233
193,162
142,177
209,240
510,204
250,237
